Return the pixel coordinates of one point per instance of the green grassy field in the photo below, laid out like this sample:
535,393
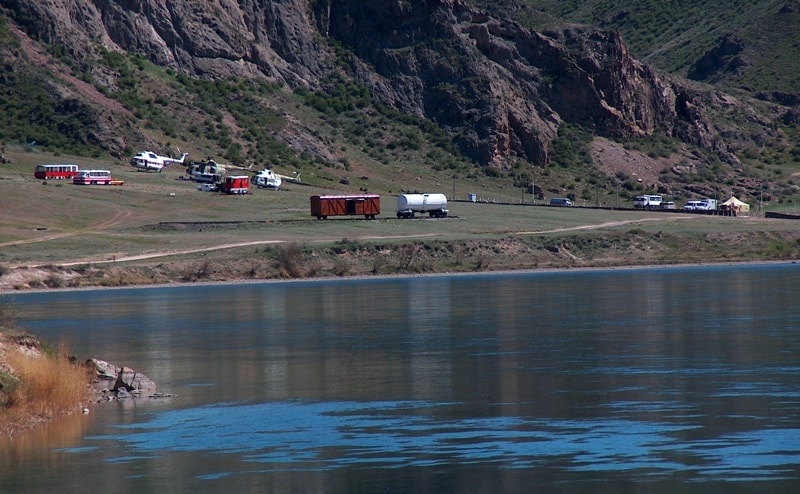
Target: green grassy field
156,229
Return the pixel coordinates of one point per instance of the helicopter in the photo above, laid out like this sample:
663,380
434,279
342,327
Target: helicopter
150,161
267,178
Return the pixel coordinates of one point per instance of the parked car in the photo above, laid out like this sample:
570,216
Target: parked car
207,187
560,201
693,205
668,205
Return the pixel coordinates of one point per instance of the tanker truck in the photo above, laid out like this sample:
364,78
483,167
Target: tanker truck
433,204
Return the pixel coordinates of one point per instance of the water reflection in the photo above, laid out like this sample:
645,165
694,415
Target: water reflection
329,435
673,380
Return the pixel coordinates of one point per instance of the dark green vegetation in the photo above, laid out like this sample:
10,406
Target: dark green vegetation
28,115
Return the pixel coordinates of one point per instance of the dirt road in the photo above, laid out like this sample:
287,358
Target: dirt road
121,216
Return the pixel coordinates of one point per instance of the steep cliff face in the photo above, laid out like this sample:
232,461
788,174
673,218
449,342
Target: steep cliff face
208,39
504,90
501,91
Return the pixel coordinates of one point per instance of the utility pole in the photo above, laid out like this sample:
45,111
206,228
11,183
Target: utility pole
597,194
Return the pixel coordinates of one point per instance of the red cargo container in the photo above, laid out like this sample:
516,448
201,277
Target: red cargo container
237,184
367,204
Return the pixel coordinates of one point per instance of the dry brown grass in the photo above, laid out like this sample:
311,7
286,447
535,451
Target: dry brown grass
43,387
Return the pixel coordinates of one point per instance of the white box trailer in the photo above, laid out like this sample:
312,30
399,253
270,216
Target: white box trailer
647,202
708,204
410,204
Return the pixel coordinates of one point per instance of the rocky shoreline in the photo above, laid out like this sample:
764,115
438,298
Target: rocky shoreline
489,272
105,382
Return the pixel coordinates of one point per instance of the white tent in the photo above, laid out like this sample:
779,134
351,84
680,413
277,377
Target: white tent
736,207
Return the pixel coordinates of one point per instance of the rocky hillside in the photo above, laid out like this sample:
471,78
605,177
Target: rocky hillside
733,44
503,91
107,73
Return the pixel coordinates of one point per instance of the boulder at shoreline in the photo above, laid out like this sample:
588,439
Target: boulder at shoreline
123,381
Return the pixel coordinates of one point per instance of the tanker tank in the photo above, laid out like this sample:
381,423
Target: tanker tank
410,204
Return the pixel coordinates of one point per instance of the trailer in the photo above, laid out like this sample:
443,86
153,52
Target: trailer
648,201
701,205
235,184
368,205
410,204
708,204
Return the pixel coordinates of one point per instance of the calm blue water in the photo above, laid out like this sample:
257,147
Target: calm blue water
660,380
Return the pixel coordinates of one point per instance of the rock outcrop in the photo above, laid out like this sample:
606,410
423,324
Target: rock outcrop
500,90
122,381
725,57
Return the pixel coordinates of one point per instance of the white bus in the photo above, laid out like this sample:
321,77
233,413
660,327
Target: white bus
92,177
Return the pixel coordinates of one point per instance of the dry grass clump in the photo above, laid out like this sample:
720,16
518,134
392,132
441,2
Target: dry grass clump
39,387
290,261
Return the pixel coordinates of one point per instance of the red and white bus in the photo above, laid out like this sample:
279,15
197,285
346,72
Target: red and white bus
55,172
92,177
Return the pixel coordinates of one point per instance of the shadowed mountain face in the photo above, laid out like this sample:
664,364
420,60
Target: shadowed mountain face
499,90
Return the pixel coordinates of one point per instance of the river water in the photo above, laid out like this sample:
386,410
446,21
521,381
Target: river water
647,380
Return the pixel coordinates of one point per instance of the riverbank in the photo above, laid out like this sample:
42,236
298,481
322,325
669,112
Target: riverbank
415,275
369,257
37,384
